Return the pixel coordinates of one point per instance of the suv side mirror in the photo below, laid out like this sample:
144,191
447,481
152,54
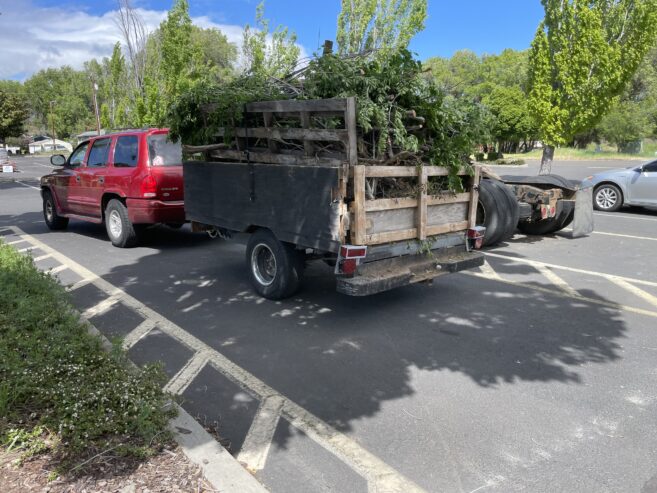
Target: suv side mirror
58,160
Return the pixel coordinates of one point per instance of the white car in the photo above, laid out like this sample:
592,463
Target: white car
613,189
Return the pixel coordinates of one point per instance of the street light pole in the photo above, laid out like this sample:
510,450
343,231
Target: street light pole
52,123
95,87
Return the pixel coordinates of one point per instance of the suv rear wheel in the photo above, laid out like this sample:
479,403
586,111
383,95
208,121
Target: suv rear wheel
120,230
53,220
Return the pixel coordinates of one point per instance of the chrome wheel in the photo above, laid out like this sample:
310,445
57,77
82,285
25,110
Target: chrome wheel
606,198
263,264
115,224
49,211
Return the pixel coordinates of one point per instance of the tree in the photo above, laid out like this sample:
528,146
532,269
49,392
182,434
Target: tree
627,123
382,25
269,54
13,109
218,53
583,56
512,121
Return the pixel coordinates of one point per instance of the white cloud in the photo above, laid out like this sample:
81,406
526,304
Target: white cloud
33,38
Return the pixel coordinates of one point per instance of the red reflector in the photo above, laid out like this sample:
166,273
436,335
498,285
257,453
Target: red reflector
476,232
348,251
348,266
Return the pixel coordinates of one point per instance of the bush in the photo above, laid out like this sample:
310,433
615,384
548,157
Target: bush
493,155
510,161
479,156
55,376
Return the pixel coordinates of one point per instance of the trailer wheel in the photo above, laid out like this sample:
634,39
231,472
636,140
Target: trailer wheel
275,268
563,217
497,210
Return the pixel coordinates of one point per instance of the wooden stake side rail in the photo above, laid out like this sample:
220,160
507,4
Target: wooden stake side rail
458,210
326,135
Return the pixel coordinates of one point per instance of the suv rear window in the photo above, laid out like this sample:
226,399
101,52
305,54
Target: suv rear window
163,152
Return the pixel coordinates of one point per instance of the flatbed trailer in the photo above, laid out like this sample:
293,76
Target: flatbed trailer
313,203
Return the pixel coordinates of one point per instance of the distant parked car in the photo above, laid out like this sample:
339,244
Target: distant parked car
126,180
636,185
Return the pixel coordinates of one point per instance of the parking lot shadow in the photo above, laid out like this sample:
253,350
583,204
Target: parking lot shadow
344,358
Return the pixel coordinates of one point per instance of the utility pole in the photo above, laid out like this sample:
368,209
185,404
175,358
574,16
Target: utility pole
52,124
95,88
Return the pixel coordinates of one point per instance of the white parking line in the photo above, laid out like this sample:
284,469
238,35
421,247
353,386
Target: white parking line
379,475
137,334
556,280
26,185
617,234
258,440
615,215
636,291
181,380
101,307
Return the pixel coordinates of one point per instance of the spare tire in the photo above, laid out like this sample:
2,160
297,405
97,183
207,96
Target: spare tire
497,211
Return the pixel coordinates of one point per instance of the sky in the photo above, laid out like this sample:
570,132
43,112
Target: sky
37,34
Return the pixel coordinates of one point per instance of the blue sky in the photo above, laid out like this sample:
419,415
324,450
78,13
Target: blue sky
484,26
35,34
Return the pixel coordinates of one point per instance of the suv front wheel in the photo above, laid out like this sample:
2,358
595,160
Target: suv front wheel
53,220
120,230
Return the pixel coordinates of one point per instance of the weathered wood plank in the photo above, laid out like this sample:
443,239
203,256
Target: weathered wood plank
447,228
271,143
295,105
377,239
422,204
308,146
204,148
447,213
274,158
474,197
390,204
352,131
448,199
359,205
317,134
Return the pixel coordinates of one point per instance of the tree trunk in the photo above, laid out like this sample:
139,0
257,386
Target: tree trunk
546,160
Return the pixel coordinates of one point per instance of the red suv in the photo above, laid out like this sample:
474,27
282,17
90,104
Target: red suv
127,180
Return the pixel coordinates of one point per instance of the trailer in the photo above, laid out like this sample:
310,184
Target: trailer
310,199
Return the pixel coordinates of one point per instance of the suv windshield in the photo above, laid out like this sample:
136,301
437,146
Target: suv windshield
163,152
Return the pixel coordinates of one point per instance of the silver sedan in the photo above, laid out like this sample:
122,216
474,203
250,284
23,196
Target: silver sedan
613,189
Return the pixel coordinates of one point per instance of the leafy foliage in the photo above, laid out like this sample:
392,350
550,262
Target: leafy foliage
386,26
269,54
583,56
13,109
55,378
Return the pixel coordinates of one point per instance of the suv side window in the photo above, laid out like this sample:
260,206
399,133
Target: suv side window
126,151
99,154
78,155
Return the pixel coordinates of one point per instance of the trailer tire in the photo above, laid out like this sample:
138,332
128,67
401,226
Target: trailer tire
497,211
563,217
275,268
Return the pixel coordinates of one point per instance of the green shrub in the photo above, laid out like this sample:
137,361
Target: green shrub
510,161
493,155
55,376
479,156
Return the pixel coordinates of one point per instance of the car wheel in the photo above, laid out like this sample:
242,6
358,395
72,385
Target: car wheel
120,230
275,268
607,198
53,220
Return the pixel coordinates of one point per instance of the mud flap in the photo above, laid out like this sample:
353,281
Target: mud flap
583,220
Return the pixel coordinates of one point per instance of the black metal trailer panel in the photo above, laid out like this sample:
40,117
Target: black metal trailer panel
299,204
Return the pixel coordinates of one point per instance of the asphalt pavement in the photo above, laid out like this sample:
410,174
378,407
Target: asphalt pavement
535,373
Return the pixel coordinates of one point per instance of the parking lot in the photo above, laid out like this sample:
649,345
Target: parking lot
535,373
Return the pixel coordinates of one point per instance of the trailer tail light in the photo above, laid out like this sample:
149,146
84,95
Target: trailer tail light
349,259
149,187
548,211
475,237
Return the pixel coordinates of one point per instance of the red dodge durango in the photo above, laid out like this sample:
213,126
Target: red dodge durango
127,180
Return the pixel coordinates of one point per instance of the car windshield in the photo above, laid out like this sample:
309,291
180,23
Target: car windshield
163,152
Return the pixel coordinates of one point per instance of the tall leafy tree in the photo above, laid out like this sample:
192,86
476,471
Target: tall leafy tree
583,56
269,53
13,109
382,25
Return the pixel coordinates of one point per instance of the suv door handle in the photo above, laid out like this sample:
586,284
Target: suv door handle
101,180
77,178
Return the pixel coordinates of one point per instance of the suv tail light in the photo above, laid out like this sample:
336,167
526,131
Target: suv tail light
149,187
349,258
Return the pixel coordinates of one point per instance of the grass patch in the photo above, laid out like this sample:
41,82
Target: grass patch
60,392
590,153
